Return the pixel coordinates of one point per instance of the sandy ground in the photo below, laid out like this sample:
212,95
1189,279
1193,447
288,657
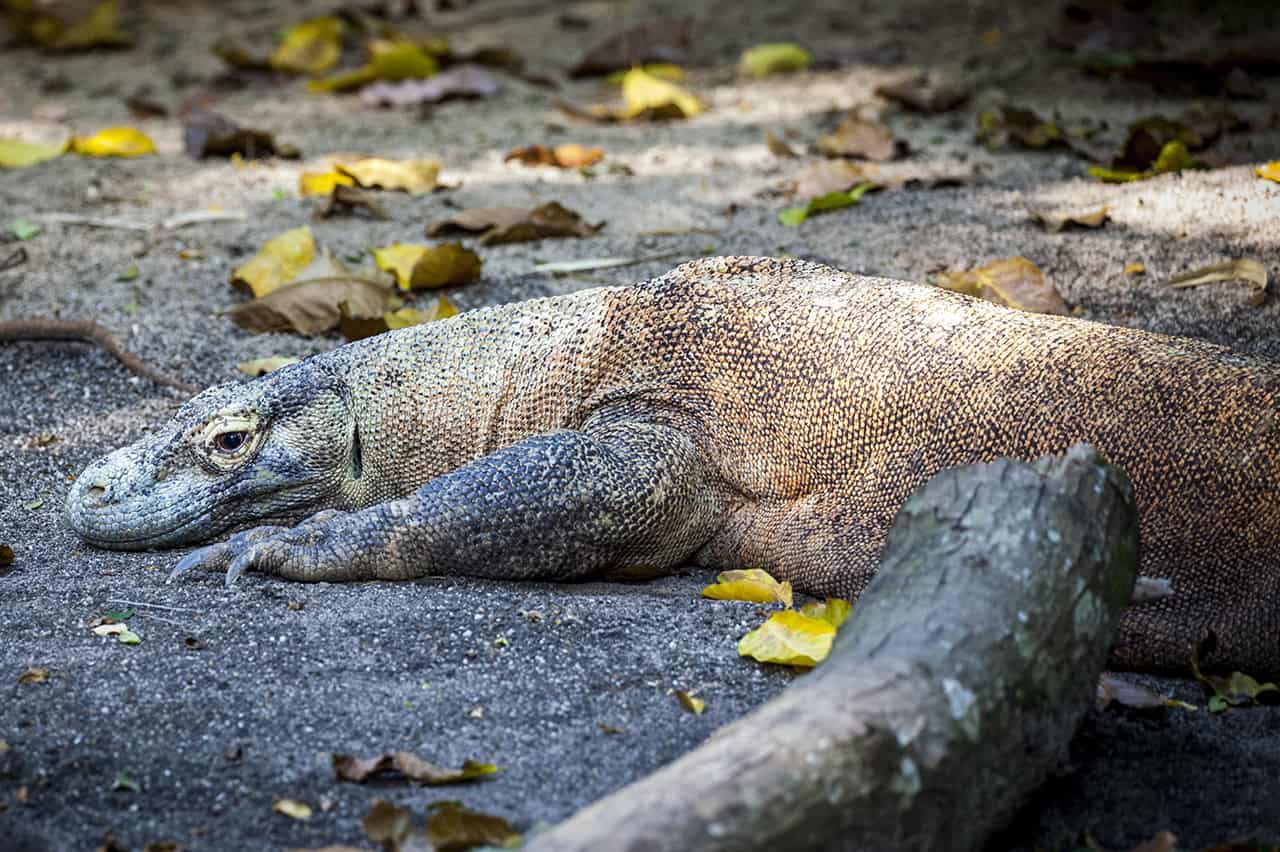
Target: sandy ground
234,699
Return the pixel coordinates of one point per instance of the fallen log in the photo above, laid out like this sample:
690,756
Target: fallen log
947,698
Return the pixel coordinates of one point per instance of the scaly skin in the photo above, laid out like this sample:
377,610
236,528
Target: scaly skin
736,412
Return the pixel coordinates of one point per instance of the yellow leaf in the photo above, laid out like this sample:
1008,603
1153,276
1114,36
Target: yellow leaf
661,70
765,59
34,675
752,585
425,267
389,61
691,702
292,808
322,183
262,366
277,263
16,154
415,176
1270,171
1135,269
834,610
310,47
1245,269
790,638
646,94
1014,282
114,142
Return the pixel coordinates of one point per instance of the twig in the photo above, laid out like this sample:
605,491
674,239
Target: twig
152,605
90,332
196,217
94,221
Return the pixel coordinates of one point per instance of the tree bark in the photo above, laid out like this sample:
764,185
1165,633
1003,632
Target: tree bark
948,696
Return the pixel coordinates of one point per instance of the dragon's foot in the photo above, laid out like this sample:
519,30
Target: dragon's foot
310,551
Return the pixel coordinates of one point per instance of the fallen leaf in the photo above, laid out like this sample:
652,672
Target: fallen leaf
262,366
1173,157
690,702
388,824
322,183
109,628
17,154
311,47
1015,282
24,230
789,638
662,70
1006,125
1269,171
1235,690
426,267
920,94
358,327
6,555
348,199
647,96
114,142
659,41
292,808
389,61
313,306
567,156
834,610
100,28
279,261
1146,140
129,273
1114,688
412,176
498,225
858,137
124,782
827,176
128,637
1057,220
1135,269
451,827
34,675
1245,269
764,60
410,766
794,216
206,133
752,584
461,81
777,147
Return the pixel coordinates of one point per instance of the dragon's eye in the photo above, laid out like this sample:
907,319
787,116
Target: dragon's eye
229,442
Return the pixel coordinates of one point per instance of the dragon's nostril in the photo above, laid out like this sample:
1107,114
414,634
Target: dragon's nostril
96,491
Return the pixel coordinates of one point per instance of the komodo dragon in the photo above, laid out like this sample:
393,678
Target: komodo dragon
733,412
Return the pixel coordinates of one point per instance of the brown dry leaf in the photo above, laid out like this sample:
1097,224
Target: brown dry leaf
1056,220
752,584
292,808
409,765
206,133
777,147
280,260
388,824
691,702
6,555
461,81
789,638
412,176
311,47
358,327
1269,171
498,225
659,41
827,176
1005,125
1245,269
426,267
1015,282
567,156
920,94
345,200
313,306
34,675
860,138
452,827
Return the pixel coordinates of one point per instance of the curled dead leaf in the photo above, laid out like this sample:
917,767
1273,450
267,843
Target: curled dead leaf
834,610
311,47
789,638
412,176
1058,220
691,702
390,60
280,260
346,200
1007,125
451,827
292,808
920,94
426,267
1245,269
313,306
410,766
359,327
860,138
1014,282
498,225
570,155
34,675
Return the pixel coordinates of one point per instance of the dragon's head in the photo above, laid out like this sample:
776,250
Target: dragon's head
272,450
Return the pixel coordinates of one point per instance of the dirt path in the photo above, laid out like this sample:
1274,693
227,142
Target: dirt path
233,700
